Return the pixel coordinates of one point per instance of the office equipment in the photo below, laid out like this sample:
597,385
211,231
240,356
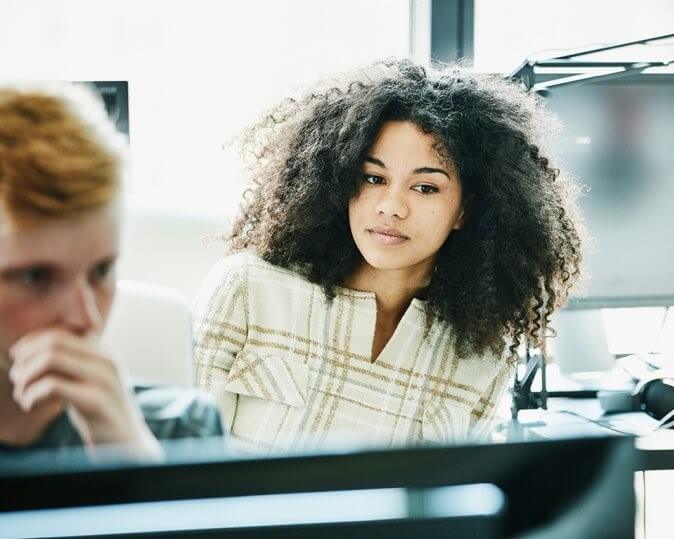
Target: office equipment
523,398
618,114
618,141
580,344
546,484
115,95
619,131
653,394
472,511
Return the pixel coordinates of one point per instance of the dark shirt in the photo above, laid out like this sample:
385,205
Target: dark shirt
171,412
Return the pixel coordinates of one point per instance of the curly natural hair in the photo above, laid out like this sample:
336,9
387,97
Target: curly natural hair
497,279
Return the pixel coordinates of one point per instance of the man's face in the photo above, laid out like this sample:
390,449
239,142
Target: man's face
57,274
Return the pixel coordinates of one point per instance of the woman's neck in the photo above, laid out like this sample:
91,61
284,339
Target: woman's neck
393,289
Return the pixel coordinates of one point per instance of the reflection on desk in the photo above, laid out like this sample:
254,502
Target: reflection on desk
571,418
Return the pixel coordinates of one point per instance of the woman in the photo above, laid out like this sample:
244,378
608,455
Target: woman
402,237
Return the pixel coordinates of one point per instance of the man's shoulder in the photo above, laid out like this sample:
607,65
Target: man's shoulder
172,411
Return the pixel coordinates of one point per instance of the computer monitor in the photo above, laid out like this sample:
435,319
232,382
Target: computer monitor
580,344
115,95
567,485
469,511
618,141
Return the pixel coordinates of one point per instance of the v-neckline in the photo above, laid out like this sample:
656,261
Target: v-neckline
395,336
368,303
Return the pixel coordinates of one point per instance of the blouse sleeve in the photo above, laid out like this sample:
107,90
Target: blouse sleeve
485,414
220,314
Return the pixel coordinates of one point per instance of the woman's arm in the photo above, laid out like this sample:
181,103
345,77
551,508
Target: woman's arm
220,314
485,414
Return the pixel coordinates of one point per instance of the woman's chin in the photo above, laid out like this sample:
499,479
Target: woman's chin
388,262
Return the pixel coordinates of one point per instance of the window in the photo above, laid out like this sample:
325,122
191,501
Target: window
198,71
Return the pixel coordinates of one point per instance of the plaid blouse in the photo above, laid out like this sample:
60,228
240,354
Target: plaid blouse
292,371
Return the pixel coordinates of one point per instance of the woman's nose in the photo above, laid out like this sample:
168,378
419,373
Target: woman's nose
392,203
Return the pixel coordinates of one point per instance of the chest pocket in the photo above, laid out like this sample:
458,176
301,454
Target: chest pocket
268,377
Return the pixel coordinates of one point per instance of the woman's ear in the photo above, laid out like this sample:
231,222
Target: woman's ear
460,220
466,205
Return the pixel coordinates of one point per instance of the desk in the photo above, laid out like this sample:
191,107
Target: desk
654,492
570,418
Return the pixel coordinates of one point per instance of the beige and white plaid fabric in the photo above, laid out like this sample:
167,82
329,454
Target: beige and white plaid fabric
292,372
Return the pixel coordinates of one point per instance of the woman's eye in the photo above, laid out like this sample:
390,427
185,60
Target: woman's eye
425,189
372,179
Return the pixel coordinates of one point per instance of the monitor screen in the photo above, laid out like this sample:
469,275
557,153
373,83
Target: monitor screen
556,484
619,142
115,95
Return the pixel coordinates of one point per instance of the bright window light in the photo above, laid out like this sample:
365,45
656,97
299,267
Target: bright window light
198,71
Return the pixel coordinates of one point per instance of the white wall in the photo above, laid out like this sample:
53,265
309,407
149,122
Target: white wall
175,251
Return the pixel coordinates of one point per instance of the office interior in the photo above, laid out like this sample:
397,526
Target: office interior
183,78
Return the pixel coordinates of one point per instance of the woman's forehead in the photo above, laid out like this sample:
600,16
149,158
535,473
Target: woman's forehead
398,138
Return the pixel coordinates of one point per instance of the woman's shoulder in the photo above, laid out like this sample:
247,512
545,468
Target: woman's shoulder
471,365
250,267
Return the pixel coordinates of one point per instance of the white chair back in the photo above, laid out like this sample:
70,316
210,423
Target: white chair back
149,332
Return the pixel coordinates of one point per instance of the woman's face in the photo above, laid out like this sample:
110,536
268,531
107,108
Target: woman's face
408,203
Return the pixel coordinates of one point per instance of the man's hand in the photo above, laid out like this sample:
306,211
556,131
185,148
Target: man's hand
54,366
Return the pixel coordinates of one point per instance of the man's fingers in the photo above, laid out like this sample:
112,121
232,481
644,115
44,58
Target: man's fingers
64,354
53,366
57,363
49,388
51,339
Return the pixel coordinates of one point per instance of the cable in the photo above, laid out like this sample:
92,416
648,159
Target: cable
667,426
662,424
599,422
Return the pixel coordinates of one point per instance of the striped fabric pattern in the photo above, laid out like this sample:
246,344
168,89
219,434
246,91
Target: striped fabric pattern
291,371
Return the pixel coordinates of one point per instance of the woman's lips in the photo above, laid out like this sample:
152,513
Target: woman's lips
387,236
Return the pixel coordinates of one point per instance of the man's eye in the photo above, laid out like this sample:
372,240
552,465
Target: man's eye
102,270
33,277
372,179
426,189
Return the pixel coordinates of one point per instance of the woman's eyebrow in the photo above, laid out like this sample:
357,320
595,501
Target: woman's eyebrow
420,170
430,170
374,161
